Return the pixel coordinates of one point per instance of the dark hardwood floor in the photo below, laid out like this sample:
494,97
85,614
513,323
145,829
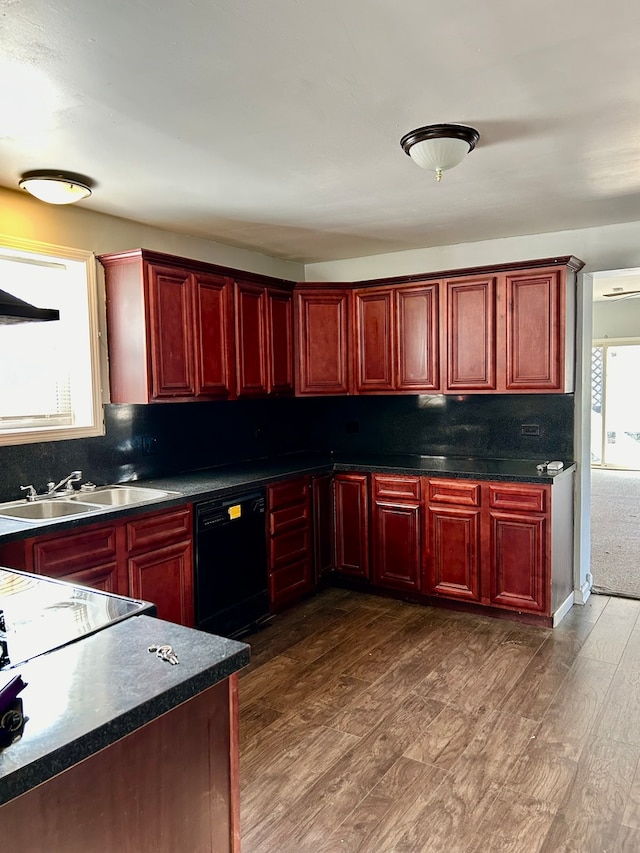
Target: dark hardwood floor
375,726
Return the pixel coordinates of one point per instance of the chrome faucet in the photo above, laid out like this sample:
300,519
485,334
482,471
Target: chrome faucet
66,483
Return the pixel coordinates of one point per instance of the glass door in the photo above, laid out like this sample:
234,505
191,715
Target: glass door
615,405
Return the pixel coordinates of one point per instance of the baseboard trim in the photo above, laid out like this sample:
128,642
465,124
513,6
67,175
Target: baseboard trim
564,608
582,593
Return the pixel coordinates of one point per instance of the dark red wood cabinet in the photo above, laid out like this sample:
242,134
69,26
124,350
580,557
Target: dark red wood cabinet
264,340
351,524
396,339
469,333
289,537
536,331
170,329
396,532
149,557
323,331
519,546
454,548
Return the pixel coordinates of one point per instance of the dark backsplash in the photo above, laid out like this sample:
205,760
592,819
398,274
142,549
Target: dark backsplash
143,442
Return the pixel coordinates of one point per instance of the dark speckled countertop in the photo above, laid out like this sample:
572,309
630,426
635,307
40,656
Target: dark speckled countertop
214,482
87,695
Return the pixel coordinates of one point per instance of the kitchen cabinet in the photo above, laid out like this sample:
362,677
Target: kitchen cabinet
264,340
396,532
170,330
539,332
323,534
88,556
453,539
519,546
396,339
351,525
289,526
149,557
469,342
159,551
323,334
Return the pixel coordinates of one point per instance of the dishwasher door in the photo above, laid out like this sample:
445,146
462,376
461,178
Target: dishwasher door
231,586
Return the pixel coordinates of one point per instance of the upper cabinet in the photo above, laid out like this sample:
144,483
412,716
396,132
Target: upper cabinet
264,340
181,330
506,329
323,332
396,339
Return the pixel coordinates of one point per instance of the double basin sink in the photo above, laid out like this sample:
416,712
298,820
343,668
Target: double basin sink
80,503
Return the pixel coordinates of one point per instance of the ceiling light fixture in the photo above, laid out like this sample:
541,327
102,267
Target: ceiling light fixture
439,147
56,187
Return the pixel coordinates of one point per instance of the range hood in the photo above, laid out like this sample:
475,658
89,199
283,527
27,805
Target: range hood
14,310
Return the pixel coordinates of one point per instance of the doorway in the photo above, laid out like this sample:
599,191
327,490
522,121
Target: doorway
615,407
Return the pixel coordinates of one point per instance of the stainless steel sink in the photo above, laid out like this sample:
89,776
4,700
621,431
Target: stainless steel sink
42,510
119,495
80,503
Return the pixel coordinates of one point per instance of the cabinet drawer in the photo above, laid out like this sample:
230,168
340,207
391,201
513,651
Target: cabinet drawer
288,547
531,498
396,487
289,492
161,528
287,518
454,492
74,552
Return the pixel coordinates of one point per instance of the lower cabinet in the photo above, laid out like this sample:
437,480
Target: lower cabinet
289,527
148,557
453,539
396,532
351,525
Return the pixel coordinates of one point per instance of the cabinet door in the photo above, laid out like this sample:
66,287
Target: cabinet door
214,336
454,552
397,546
251,345
535,331
417,338
165,577
375,340
470,334
351,514
280,339
322,334
518,561
171,326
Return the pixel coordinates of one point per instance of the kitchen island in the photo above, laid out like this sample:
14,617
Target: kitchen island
121,750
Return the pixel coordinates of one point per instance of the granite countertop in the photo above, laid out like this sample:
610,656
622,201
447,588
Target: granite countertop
217,482
89,694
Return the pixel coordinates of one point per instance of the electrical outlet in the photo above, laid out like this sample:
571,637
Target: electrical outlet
150,445
530,429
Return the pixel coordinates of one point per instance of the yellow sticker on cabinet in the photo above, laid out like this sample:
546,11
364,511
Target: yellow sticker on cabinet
235,511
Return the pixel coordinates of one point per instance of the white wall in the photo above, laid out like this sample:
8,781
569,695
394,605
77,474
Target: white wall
607,248
78,227
616,319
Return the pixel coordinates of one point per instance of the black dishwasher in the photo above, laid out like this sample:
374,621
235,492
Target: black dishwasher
231,596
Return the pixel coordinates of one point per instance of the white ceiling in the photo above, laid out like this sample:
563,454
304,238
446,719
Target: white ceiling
275,126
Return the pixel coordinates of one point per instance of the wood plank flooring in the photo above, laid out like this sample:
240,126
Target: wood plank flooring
373,726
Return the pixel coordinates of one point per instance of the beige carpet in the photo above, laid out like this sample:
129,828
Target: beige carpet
615,532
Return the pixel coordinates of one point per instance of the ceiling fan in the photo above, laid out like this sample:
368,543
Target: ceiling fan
621,293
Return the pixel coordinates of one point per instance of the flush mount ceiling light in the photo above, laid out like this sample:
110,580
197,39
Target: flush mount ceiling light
56,187
439,147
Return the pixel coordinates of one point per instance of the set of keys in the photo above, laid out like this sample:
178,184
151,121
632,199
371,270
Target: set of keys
165,653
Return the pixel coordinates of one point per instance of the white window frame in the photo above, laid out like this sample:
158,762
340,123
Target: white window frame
96,427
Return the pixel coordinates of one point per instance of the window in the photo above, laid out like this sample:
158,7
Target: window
49,375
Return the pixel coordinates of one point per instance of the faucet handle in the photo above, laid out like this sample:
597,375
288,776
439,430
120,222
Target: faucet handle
31,492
